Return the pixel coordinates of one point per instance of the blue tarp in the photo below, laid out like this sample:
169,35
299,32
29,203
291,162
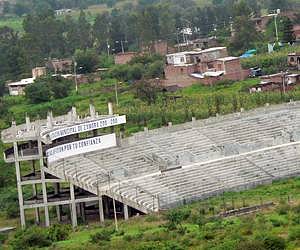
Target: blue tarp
248,53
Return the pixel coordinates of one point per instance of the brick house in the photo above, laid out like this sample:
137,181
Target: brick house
276,82
60,65
123,58
201,43
275,78
205,66
18,88
158,47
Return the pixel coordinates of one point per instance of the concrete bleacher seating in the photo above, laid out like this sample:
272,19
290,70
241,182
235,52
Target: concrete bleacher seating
195,160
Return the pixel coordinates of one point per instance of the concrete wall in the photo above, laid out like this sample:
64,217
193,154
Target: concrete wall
296,30
38,72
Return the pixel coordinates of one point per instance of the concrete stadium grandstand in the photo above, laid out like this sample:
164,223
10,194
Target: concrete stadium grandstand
84,168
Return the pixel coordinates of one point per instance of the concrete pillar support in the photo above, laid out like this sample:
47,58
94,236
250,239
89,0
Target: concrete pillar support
101,211
19,186
126,215
36,210
58,208
44,186
73,206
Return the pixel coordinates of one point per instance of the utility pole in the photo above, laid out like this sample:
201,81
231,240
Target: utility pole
116,93
108,47
277,12
75,76
122,44
177,36
283,81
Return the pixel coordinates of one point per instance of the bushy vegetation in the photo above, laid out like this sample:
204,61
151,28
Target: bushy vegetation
270,63
103,235
37,237
141,67
48,88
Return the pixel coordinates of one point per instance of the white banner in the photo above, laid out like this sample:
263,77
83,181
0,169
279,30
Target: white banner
81,147
88,126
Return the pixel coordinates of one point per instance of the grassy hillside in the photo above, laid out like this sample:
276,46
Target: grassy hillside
200,226
12,22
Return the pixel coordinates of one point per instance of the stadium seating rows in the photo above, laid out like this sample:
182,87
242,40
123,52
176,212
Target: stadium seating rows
194,160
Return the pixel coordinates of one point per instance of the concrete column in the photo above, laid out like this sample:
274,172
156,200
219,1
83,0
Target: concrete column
82,211
58,209
101,212
126,215
106,207
19,187
110,108
44,186
36,210
73,206
115,215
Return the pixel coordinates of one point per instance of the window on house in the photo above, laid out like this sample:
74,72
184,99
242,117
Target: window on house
181,59
292,59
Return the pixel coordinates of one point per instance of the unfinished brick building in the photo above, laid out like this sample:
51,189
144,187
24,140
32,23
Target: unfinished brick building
204,66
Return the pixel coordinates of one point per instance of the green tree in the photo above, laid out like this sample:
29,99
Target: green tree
43,37
84,35
12,62
101,30
147,91
245,34
155,69
38,92
136,71
87,60
59,86
288,33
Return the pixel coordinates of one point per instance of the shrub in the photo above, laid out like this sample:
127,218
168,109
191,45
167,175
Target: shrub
273,243
295,218
278,221
171,245
296,209
131,237
283,209
176,217
58,232
3,238
250,245
104,235
33,237
151,218
294,233
148,246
